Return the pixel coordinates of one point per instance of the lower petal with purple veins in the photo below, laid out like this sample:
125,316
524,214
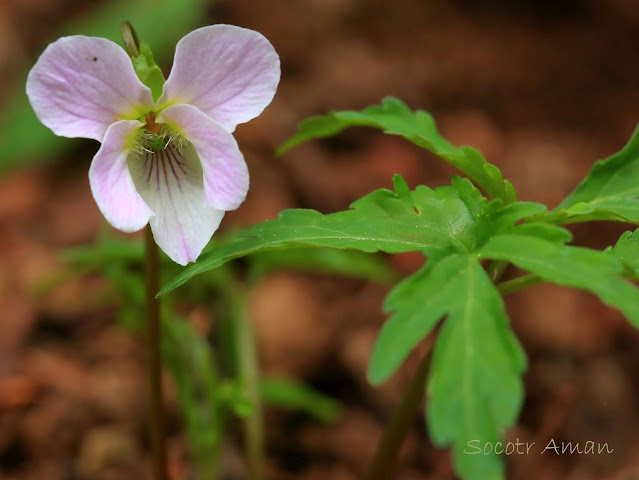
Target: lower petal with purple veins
170,180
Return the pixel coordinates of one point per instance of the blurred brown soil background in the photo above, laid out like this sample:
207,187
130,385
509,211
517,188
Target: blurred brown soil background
542,88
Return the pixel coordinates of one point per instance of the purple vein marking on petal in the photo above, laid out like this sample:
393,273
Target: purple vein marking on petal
162,153
176,158
72,111
64,71
179,158
149,157
237,91
77,114
179,225
235,65
123,168
157,171
177,179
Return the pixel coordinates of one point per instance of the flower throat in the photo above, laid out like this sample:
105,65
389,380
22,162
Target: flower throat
154,137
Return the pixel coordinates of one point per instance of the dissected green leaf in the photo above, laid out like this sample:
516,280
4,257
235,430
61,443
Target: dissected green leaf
416,304
449,218
609,192
23,139
586,269
292,395
395,118
419,301
383,220
474,390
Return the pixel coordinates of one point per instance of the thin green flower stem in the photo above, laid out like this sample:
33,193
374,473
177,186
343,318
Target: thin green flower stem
519,283
157,431
383,464
249,373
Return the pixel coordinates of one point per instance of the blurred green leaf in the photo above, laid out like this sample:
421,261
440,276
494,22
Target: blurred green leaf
129,287
23,139
106,251
346,263
292,395
188,357
233,394
609,192
395,118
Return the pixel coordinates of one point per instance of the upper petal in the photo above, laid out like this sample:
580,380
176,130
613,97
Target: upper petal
229,73
226,177
81,85
170,181
111,182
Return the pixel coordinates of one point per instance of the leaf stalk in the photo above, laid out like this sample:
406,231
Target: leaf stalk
385,459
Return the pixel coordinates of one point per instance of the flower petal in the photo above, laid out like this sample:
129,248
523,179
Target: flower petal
81,85
111,182
226,178
229,73
170,182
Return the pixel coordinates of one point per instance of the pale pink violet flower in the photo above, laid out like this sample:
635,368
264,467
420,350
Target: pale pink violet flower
172,163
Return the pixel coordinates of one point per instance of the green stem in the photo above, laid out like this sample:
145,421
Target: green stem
249,375
385,458
519,283
154,362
